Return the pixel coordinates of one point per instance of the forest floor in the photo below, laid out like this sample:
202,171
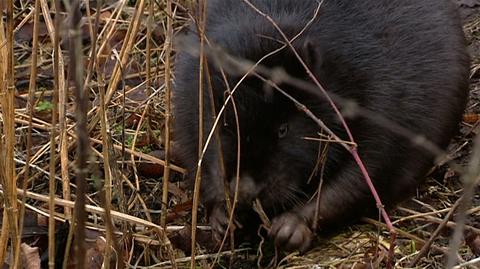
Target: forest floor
135,112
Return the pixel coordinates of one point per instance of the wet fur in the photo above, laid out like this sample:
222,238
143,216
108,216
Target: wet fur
403,59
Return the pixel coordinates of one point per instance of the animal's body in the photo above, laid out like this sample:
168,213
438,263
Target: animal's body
404,60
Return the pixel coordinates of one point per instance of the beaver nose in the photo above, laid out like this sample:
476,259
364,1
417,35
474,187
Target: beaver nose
247,189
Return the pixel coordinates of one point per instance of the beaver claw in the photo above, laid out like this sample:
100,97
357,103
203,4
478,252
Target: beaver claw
218,220
291,232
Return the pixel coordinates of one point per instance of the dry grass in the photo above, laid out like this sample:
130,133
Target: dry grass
124,64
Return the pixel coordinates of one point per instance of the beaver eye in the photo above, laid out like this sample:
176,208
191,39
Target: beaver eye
283,130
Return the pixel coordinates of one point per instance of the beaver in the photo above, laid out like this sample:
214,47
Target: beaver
404,60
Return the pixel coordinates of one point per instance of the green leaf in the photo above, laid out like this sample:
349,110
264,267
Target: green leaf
44,106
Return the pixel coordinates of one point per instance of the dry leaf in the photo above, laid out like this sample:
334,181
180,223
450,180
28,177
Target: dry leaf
30,256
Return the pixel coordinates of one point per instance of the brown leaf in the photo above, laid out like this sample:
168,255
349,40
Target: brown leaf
94,255
30,256
181,239
360,265
179,210
105,15
471,118
449,174
152,170
25,33
473,242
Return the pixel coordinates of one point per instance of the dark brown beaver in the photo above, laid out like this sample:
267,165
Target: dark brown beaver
402,59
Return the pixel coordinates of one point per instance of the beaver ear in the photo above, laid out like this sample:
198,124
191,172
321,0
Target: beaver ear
310,54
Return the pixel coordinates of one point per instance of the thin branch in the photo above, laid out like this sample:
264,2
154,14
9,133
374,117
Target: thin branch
83,147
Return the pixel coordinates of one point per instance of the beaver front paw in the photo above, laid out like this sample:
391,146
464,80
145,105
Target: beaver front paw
218,220
291,232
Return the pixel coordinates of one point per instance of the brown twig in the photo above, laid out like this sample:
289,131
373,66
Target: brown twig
202,6
30,108
470,180
168,77
143,156
53,146
7,176
59,82
106,144
426,247
76,75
